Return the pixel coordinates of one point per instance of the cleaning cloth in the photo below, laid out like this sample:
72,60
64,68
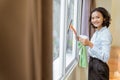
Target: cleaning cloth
83,55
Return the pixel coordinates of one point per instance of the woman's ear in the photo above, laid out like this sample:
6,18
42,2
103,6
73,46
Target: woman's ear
104,19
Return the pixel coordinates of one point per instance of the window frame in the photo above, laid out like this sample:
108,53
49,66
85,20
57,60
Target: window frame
59,63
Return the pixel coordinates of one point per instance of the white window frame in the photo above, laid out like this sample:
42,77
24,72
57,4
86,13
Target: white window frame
60,70
71,58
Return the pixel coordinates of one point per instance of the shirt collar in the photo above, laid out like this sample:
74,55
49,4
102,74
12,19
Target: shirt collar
101,29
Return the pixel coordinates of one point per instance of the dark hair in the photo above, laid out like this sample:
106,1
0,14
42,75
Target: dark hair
105,15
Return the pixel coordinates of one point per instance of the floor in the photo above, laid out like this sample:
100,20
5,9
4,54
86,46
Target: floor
114,63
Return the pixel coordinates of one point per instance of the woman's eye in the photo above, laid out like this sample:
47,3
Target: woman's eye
97,17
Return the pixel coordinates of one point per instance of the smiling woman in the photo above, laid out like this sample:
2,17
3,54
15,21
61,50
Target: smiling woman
101,41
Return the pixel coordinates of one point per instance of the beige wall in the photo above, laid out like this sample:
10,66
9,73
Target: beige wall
115,26
104,3
79,74
113,7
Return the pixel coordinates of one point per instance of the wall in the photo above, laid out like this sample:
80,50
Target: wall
104,3
79,74
115,26
113,7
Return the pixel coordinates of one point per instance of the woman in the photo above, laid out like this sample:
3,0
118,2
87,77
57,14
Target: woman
99,46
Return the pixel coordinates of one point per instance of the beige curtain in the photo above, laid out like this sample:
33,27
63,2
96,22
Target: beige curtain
25,39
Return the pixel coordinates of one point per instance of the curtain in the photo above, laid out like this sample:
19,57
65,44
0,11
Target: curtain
86,29
85,17
25,39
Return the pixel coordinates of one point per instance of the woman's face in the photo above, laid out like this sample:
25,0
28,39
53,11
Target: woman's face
97,19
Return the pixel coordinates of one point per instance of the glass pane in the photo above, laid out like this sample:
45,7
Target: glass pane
70,17
56,28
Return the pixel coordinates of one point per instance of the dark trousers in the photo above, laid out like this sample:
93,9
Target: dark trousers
98,70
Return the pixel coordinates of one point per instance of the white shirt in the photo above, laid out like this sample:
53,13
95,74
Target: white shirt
101,40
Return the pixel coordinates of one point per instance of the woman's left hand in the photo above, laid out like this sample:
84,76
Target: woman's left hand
86,42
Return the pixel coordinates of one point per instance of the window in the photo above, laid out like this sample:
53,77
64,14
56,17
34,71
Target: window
64,42
69,35
57,67
56,28
70,47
